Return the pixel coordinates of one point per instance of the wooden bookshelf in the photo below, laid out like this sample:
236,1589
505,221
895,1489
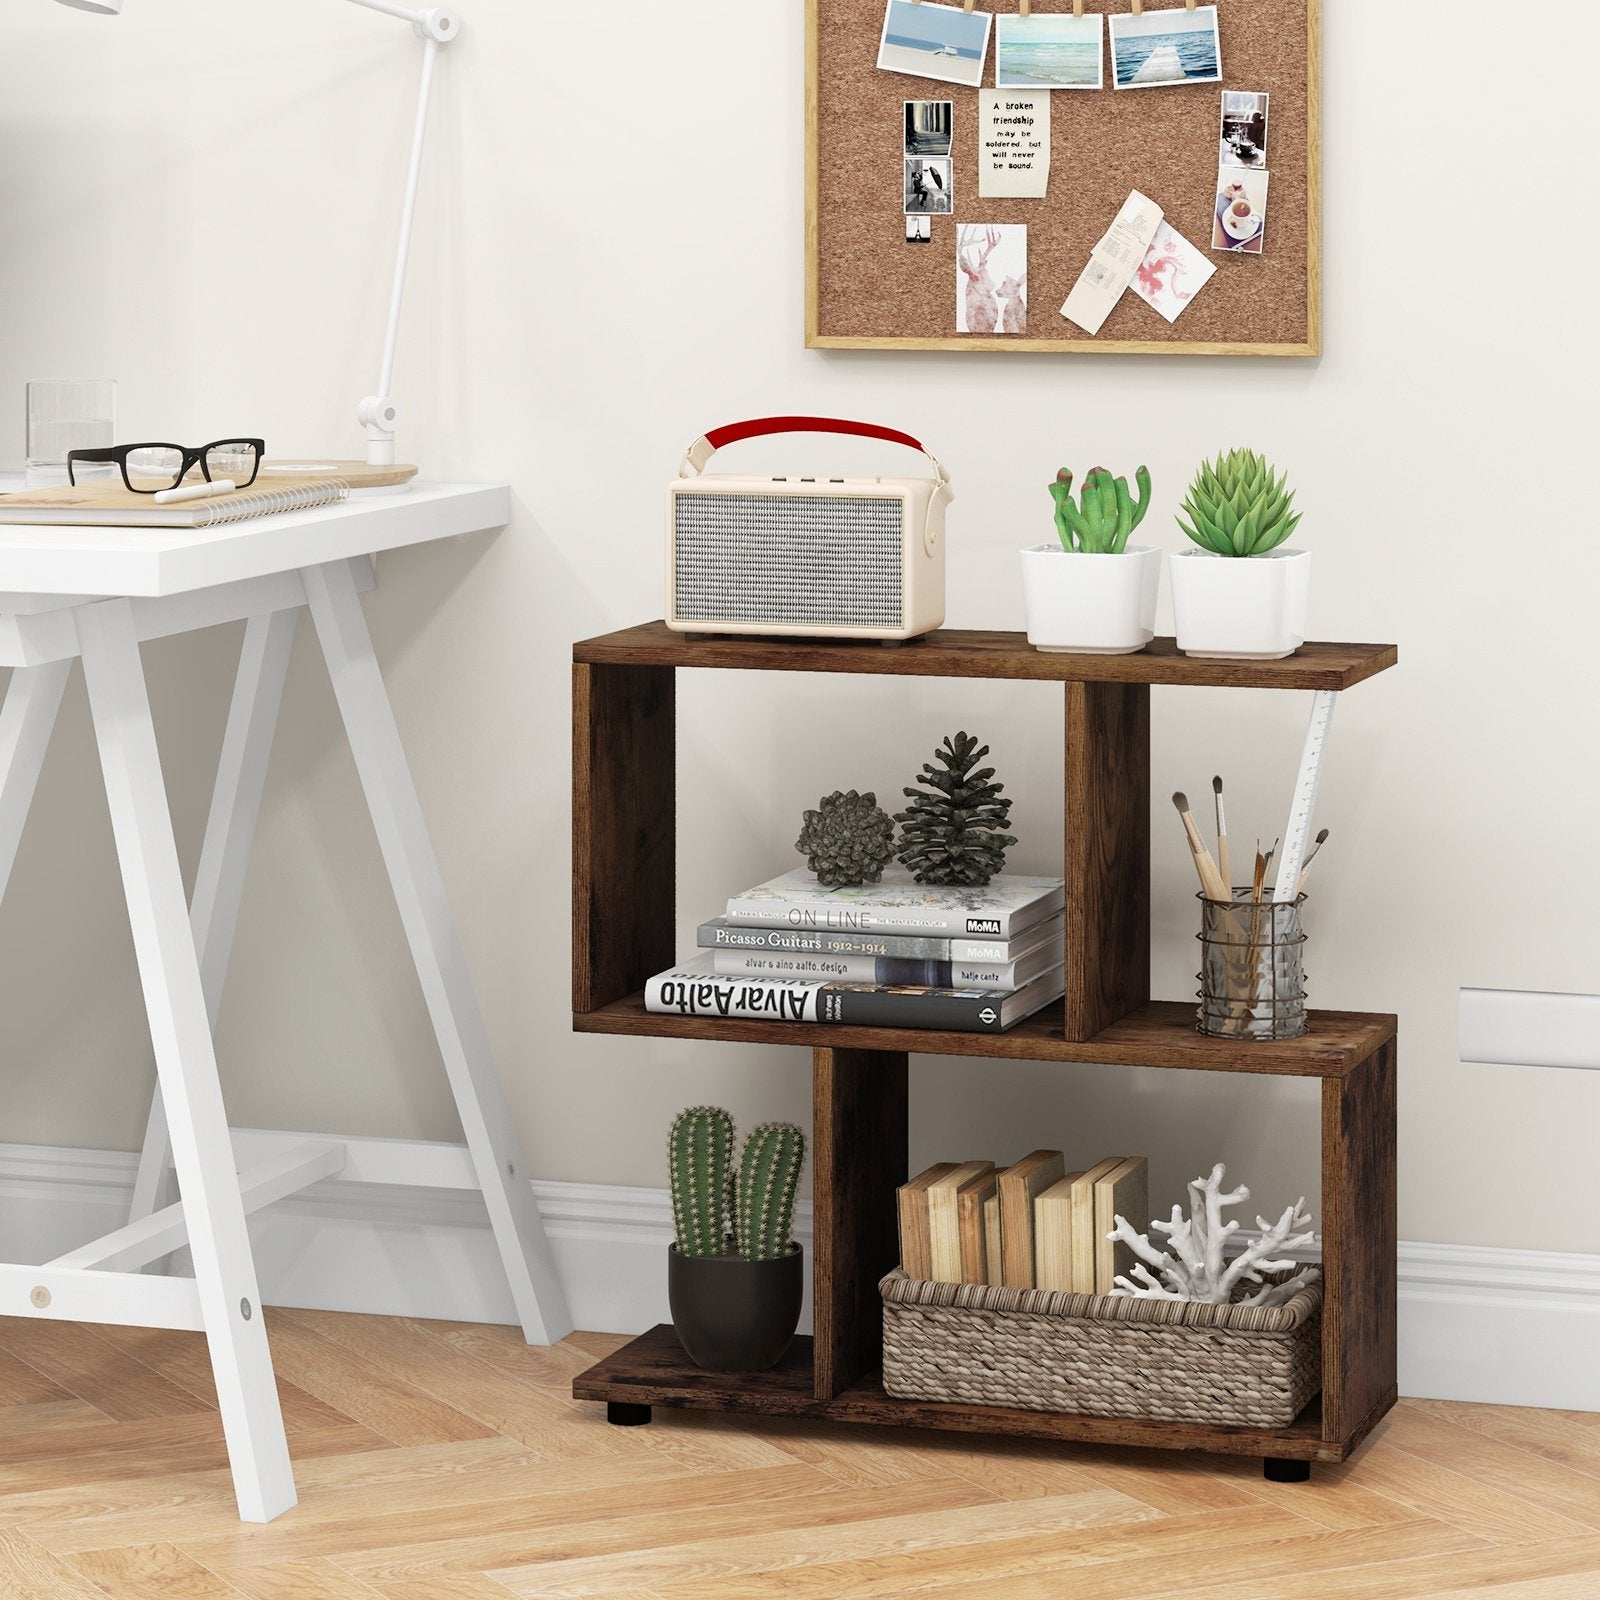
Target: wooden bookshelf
624,929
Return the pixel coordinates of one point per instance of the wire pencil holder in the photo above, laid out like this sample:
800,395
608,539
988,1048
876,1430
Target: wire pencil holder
1252,977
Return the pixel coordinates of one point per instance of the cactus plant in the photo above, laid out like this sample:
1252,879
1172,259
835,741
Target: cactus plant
1107,516
700,1161
1238,506
769,1174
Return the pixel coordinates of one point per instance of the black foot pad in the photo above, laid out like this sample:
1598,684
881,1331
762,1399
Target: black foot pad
620,1414
1277,1471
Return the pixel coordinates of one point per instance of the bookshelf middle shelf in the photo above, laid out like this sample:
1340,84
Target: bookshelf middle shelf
1159,1034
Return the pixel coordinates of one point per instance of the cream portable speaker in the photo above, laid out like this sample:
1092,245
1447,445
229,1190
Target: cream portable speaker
842,558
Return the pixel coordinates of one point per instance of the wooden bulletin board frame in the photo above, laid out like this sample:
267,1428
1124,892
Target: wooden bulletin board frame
866,289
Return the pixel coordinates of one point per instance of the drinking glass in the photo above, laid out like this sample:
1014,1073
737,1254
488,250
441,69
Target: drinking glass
68,414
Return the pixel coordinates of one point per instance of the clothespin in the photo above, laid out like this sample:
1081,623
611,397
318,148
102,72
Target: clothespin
1138,8
1077,8
1024,7
968,6
1189,5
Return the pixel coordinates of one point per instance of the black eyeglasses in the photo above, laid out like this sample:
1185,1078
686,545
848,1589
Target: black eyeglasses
150,468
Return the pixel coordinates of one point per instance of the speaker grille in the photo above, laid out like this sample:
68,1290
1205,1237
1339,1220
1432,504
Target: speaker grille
816,561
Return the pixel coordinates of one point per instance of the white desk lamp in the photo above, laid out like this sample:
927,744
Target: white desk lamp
435,26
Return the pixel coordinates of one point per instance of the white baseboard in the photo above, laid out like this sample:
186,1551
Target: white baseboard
1505,1327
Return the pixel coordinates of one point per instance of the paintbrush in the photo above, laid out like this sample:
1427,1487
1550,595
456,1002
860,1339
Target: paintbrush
1317,844
1211,880
1224,865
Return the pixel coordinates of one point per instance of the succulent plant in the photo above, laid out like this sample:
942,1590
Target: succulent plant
953,824
769,1175
700,1162
1108,514
1238,506
847,840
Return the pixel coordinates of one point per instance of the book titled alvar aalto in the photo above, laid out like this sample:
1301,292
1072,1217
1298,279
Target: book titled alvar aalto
695,989
999,909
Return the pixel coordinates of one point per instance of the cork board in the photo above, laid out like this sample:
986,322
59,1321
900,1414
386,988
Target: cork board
866,288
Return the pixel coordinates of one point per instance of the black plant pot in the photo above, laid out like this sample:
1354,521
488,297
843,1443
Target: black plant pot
734,1315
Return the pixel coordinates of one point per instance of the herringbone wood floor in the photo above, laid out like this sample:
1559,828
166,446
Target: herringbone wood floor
438,1461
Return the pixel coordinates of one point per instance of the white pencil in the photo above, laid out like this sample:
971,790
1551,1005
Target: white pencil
194,491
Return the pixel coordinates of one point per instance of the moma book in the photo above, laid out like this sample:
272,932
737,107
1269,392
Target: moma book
1000,909
695,989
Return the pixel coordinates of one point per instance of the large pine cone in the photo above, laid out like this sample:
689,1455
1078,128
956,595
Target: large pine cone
847,840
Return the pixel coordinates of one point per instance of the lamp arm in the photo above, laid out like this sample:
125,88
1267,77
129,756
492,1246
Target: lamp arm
436,26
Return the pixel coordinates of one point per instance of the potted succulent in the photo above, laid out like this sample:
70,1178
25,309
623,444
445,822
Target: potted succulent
734,1275
1240,594
1088,590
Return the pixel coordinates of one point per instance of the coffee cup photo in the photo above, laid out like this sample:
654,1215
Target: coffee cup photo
1241,211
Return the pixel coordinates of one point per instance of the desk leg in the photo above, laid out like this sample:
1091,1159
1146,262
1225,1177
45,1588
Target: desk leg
225,855
436,949
26,723
186,1061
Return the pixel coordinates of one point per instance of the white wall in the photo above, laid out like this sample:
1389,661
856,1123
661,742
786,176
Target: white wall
609,262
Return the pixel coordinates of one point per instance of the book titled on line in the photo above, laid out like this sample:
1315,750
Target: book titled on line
893,970
731,939
694,989
999,909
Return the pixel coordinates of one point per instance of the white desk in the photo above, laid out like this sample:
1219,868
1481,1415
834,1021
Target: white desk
94,594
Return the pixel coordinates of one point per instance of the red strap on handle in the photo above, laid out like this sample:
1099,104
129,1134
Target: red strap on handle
760,427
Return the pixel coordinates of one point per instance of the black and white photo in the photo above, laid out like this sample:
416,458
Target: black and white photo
929,124
929,188
1244,129
919,230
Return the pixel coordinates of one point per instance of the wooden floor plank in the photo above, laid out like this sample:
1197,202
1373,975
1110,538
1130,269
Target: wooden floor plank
151,1572
748,1555
997,1561
81,1362
526,1521
651,1526
27,1571
440,1461
365,1392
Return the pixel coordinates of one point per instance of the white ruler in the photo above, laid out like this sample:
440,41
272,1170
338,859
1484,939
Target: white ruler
1297,834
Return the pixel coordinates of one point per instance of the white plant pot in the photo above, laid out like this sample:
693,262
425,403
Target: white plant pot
1250,608
1094,605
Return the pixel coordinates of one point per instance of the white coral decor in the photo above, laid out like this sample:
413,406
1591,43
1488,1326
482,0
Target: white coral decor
1194,1264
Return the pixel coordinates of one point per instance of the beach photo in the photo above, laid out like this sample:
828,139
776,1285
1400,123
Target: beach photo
929,41
919,230
1244,129
1163,48
928,127
929,190
992,278
1049,52
1239,225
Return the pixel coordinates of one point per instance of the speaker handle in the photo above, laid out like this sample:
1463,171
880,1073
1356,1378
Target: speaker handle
702,450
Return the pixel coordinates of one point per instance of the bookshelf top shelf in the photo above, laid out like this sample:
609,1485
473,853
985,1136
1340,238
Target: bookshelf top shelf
963,653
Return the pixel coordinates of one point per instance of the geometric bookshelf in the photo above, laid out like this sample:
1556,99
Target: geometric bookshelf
624,932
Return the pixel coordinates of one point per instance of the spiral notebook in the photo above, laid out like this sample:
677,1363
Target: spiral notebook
109,505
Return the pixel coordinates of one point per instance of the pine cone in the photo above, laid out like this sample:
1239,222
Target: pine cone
847,841
952,828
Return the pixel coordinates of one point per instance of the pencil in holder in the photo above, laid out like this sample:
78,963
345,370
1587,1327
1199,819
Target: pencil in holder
1252,975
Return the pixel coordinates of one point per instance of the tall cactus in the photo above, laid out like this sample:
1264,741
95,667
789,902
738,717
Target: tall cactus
769,1175
700,1159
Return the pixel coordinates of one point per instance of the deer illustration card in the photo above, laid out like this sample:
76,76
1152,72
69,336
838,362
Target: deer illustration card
1172,273
992,278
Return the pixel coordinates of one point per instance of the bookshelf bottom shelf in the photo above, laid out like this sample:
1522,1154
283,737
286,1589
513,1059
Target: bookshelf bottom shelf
653,1370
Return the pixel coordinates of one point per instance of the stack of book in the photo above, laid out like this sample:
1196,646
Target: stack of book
1033,1225
894,954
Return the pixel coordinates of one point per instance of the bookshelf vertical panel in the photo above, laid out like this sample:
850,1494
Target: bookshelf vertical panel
624,829
1107,811
860,1109
1360,1243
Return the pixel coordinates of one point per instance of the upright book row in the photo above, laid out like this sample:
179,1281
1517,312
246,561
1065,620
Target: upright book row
1032,1225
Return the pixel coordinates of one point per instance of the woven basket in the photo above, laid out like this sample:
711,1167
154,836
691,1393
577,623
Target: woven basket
1099,1356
